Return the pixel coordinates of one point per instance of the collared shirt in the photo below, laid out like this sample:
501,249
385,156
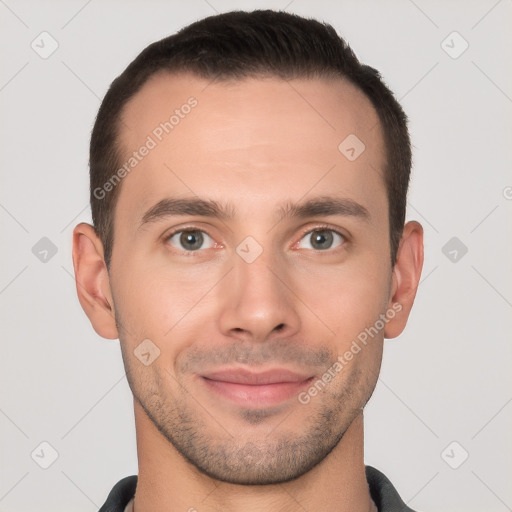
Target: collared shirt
382,491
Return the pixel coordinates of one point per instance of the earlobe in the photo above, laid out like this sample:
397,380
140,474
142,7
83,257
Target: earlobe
406,277
92,281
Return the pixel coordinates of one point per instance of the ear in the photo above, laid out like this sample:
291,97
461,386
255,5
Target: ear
92,281
405,278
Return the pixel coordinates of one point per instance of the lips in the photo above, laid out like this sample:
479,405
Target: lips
251,389
242,376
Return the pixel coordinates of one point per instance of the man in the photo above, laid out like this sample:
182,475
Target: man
248,192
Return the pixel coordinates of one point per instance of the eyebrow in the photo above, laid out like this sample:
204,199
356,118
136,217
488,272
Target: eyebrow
322,205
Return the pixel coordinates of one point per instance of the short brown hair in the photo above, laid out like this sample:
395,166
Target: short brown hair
236,45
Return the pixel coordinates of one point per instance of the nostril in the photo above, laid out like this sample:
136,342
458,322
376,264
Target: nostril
279,327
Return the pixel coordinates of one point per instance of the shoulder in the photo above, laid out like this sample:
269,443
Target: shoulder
120,495
383,492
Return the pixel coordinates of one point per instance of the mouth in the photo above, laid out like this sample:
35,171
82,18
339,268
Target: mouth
256,390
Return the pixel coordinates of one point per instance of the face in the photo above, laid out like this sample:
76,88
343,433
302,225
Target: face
250,253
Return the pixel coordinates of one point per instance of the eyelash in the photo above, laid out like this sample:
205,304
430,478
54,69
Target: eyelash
322,227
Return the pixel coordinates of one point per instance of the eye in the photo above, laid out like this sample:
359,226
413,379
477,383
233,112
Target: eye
190,240
322,239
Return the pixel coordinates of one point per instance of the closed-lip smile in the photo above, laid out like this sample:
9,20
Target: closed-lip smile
256,389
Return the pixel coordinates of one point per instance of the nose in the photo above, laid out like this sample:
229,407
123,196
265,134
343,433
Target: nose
258,302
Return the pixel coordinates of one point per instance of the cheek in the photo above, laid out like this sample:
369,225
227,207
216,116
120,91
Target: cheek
159,302
348,299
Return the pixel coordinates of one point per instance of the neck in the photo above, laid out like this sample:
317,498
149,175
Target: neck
167,482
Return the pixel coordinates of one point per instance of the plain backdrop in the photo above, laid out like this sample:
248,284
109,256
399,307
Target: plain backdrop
439,422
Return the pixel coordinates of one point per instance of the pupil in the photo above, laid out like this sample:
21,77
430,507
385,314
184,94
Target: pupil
191,240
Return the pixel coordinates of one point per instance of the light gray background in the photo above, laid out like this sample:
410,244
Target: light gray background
447,378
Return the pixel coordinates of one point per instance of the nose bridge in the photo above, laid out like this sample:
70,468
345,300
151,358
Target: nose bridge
257,301
258,277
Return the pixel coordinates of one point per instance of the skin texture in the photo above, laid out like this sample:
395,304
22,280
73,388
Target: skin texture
255,144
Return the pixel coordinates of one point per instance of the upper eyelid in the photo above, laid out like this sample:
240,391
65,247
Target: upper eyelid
325,227
304,232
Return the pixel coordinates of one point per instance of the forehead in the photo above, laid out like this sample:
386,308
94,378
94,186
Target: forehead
265,137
